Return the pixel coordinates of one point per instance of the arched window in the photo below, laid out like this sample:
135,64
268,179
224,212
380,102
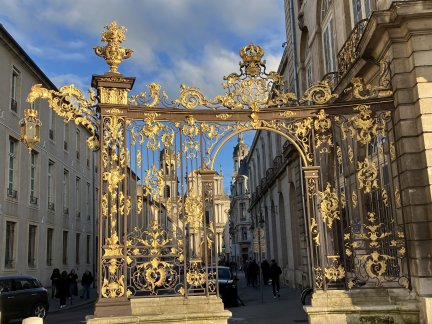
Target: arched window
327,26
361,9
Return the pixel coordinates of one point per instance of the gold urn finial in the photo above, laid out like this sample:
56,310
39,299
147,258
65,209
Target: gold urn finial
252,55
113,53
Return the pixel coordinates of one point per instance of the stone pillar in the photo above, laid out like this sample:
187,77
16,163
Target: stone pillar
402,35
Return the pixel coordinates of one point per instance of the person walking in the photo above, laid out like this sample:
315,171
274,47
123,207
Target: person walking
275,272
86,281
72,283
63,291
55,280
265,268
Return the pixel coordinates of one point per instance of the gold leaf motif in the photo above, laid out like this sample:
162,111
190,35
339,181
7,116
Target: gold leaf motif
397,198
367,173
323,138
384,197
350,154
333,273
191,97
329,205
392,151
314,231
354,199
287,113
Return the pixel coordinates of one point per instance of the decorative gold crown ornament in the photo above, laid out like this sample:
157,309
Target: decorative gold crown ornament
252,55
113,53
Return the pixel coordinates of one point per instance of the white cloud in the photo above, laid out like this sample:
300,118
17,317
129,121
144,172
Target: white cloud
80,82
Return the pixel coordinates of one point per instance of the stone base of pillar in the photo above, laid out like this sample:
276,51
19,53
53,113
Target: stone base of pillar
425,309
392,306
194,309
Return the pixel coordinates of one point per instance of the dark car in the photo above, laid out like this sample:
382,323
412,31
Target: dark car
21,297
227,286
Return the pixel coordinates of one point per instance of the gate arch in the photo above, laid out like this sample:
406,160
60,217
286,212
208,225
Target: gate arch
352,211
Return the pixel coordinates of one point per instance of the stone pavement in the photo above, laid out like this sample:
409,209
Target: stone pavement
284,310
71,304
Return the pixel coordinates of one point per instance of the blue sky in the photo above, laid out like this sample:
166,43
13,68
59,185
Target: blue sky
194,42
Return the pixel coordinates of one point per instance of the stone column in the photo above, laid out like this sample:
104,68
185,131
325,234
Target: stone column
402,35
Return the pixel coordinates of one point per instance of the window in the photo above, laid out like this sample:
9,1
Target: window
51,123
88,156
88,201
77,248
244,233
10,245
33,177
309,75
328,36
31,255
65,246
77,142
14,89
66,136
49,246
167,191
88,249
65,192
51,187
11,188
361,9
242,212
77,196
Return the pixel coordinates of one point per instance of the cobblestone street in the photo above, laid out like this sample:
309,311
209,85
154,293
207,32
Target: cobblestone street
286,309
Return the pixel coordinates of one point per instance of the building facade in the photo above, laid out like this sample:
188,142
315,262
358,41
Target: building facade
241,248
48,197
338,41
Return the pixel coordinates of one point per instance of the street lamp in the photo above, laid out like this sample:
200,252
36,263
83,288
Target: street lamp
30,128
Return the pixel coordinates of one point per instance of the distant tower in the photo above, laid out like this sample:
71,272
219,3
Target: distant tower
240,152
167,162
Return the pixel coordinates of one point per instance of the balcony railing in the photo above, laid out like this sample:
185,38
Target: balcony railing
14,105
33,200
349,53
12,193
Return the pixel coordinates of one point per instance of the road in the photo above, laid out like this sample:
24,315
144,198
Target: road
70,316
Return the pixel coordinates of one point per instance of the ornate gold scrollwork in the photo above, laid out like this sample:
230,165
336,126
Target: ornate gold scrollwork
70,104
323,135
319,93
336,271
367,175
314,232
329,205
153,183
154,95
319,278
194,210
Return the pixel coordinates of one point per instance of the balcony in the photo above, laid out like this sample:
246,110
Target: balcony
14,105
12,193
33,200
348,54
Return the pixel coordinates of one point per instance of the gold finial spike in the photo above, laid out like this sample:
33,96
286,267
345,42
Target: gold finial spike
113,53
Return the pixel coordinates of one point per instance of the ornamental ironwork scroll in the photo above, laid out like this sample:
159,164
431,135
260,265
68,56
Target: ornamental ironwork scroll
159,189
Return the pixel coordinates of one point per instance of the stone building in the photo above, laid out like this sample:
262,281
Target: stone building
240,221
48,197
337,41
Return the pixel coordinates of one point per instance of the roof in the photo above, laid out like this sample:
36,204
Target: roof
13,44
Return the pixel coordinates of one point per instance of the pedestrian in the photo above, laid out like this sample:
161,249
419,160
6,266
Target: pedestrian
86,281
275,272
63,289
254,272
72,283
55,280
265,268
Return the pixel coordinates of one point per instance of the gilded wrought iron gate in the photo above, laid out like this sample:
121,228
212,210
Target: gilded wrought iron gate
158,225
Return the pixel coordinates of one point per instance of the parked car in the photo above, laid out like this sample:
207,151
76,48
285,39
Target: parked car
21,297
227,286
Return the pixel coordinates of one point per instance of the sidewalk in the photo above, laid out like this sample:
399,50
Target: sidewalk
54,303
283,310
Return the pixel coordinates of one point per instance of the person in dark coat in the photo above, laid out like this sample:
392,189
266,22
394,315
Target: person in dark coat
275,272
55,280
254,272
265,268
72,282
63,291
86,281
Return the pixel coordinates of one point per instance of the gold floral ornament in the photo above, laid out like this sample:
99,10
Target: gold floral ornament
336,271
113,53
365,126
154,183
319,93
194,210
154,96
323,136
329,205
70,104
367,175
